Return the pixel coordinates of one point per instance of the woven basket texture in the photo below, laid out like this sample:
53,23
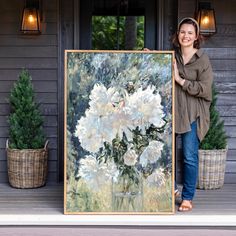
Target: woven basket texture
211,171
27,168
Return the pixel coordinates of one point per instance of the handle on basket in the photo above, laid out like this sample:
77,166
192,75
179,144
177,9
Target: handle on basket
46,144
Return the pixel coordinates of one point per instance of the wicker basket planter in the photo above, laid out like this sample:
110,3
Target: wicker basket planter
211,168
27,168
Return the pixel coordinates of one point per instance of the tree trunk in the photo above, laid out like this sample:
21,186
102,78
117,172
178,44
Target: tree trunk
130,32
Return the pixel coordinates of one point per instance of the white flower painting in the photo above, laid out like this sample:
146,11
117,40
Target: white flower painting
119,121
110,115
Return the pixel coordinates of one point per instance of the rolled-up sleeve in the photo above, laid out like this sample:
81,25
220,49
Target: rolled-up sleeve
202,87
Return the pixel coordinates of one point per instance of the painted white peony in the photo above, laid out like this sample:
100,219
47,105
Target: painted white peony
144,108
130,157
95,173
88,131
103,101
151,153
157,178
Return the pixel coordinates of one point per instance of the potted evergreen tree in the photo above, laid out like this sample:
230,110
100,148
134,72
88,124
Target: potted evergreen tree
27,147
213,151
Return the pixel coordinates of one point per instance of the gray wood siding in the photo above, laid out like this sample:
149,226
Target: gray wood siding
221,49
68,12
64,27
38,54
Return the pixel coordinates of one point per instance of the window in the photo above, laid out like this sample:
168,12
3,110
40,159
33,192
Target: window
117,32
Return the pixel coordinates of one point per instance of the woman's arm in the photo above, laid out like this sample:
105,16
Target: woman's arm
177,77
202,87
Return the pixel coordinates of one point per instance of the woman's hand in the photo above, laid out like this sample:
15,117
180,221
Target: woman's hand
177,77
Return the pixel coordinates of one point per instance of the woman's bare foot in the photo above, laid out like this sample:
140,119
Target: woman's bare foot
186,205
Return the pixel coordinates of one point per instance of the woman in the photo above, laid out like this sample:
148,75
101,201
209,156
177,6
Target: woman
193,77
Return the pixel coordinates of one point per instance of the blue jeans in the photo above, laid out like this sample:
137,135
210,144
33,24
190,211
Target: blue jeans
190,143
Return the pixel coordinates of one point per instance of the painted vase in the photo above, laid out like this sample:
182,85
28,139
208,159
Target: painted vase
127,193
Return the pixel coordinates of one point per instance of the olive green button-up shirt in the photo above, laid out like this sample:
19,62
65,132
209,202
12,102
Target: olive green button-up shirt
192,101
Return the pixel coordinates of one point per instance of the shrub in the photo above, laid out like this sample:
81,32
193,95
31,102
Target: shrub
216,137
25,120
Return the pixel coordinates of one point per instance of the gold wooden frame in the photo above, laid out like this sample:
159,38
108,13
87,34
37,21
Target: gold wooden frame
65,134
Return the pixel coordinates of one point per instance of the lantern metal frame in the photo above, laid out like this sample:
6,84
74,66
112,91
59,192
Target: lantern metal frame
31,17
206,19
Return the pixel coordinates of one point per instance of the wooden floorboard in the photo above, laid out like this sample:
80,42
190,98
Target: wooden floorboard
49,200
215,202
44,200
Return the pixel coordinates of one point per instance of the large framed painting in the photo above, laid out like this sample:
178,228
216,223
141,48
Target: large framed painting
119,132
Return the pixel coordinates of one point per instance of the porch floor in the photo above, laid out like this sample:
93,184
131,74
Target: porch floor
44,206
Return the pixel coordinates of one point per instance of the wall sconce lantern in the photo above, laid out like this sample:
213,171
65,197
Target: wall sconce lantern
206,19
30,22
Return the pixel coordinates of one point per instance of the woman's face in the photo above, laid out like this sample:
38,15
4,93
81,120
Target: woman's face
187,35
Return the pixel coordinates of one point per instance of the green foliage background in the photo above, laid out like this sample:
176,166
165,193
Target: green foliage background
216,137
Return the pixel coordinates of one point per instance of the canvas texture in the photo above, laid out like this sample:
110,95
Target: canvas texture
118,132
